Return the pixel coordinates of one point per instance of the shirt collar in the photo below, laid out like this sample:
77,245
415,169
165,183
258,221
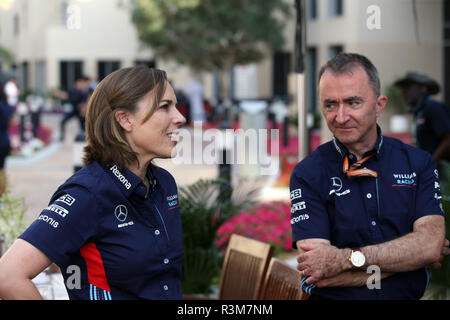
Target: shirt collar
342,150
128,182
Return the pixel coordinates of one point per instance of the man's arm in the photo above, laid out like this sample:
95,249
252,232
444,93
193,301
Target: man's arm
353,278
425,245
443,150
412,251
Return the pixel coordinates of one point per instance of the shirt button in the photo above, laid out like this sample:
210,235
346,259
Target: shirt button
369,196
166,261
165,287
157,232
374,223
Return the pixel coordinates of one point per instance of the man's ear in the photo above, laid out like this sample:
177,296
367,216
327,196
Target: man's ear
381,103
124,119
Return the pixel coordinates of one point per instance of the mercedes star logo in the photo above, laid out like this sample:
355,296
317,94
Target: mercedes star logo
336,183
121,212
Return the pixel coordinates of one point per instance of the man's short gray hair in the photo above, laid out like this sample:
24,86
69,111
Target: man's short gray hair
347,62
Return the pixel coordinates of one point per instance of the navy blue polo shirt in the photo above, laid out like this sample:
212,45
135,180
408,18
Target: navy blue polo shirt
111,238
432,121
360,211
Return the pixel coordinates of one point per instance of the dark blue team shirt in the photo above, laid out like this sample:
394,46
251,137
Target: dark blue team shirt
124,242
432,121
360,211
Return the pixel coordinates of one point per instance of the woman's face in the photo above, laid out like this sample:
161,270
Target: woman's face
155,138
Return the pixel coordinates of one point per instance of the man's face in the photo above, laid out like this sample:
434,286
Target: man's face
350,107
412,94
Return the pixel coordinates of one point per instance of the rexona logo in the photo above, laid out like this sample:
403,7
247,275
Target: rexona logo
120,176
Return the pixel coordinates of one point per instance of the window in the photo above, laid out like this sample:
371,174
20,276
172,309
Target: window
281,70
311,9
311,82
16,25
335,8
334,50
64,15
25,76
148,63
69,71
41,77
106,67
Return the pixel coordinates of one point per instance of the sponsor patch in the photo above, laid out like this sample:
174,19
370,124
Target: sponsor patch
58,209
295,194
67,199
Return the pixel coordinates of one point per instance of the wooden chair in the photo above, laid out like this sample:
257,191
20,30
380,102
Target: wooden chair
282,282
244,268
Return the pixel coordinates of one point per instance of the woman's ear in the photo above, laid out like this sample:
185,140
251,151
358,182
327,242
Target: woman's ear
124,119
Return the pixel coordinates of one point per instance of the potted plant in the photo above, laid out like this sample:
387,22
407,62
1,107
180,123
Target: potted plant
12,219
205,206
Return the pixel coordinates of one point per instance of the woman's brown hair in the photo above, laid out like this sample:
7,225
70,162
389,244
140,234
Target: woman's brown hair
121,90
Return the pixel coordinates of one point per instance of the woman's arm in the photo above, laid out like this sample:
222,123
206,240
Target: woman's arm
21,263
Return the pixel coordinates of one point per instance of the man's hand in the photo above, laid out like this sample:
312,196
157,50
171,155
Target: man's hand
445,251
320,261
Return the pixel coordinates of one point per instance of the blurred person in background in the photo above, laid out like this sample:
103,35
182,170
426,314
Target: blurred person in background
117,220
432,118
6,112
12,92
78,97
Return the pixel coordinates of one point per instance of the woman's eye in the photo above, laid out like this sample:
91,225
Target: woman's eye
164,106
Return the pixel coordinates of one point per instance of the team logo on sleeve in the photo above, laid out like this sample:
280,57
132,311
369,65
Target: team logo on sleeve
298,206
295,194
58,209
67,199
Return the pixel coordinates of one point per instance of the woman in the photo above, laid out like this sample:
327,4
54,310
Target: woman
114,227
6,113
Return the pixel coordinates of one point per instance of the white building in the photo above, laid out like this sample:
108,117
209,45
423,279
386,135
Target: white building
55,40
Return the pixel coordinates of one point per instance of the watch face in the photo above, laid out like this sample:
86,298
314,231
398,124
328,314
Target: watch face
358,259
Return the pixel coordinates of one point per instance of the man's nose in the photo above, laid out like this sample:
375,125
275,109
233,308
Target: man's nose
341,116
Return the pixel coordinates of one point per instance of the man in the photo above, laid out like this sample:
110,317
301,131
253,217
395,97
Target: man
432,118
364,200
12,92
78,97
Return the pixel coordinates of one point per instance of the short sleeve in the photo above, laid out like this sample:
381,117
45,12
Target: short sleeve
440,120
428,201
65,225
309,217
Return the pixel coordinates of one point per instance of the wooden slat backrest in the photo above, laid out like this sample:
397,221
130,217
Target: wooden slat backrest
282,282
244,268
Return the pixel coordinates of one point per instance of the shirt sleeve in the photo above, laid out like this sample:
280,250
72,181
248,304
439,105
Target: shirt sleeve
440,120
65,225
428,201
309,217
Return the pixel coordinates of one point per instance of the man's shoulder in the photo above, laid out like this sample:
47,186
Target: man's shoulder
398,148
433,106
316,161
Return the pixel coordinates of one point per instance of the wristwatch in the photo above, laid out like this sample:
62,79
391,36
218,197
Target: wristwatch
357,258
